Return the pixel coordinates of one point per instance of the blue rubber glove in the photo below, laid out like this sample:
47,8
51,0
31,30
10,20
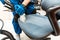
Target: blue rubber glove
2,1
14,2
19,9
30,8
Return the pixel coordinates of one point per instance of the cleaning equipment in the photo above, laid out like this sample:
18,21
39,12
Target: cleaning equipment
8,35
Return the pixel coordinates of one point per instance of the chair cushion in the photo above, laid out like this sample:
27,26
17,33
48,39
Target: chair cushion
36,26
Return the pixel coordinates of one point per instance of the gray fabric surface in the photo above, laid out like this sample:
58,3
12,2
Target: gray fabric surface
46,4
36,26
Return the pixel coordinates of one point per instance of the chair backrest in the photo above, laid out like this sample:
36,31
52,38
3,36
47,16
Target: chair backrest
52,17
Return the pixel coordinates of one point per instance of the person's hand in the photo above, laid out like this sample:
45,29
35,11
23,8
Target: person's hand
19,9
2,1
30,8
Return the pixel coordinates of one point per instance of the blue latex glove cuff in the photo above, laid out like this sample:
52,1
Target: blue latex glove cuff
14,2
20,9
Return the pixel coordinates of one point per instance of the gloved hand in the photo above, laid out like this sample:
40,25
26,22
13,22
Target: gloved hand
19,9
2,1
30,8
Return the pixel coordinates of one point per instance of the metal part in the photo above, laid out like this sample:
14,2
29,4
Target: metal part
2,23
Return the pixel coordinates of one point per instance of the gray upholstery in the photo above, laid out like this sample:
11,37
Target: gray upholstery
46,4
36,26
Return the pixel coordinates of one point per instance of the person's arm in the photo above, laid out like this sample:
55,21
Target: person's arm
2,1
26,2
